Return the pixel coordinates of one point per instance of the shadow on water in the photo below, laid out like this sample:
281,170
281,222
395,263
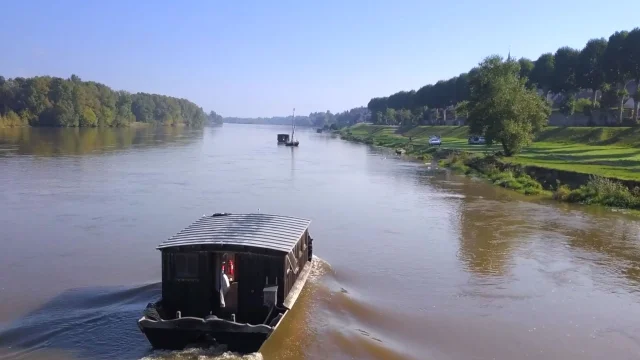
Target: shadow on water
80,141
92,323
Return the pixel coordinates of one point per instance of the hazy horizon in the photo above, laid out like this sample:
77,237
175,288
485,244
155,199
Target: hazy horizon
264,59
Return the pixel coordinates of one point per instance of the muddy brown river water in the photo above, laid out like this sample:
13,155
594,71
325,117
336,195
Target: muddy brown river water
413,262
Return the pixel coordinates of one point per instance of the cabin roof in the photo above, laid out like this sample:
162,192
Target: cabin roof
275,232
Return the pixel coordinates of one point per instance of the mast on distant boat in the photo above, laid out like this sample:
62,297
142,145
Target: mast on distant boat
293,125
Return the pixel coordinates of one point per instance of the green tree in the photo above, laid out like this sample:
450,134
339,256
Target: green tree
526,67
390,117
543,71
462,108
47,101
11,119
63,112
405,118
565,68
502,107
631,64
124,115
88,118
616,73
590,74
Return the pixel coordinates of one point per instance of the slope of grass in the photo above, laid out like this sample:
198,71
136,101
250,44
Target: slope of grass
612,152
605,136
607,161
449,132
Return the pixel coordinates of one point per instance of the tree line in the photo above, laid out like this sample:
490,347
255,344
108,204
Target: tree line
605,67
214,118
53,101
315,119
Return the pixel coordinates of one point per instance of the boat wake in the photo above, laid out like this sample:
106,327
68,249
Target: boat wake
100,323
319,268
218,353
95,322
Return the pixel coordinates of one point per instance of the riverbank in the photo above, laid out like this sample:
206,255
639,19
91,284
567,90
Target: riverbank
134,125
592,165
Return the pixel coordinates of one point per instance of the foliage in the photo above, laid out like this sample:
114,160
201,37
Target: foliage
502,108
466,163
462,108
51,101
562,193
543,72
631,63
614,61
526,66
605,192
590,70
568,106
12,119
522,183
584,106
214,118
564,75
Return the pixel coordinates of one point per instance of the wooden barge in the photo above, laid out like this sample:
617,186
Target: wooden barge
229,279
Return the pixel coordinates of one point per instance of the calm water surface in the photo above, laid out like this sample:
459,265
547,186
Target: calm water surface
413,263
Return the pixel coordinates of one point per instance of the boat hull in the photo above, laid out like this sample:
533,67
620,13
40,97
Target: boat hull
177,334
178,339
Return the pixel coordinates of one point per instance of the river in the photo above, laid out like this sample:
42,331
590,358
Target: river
413,262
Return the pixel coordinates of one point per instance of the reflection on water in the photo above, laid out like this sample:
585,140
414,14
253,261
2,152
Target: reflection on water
80,141
417,263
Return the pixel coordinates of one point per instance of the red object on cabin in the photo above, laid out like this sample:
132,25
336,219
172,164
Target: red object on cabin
230,271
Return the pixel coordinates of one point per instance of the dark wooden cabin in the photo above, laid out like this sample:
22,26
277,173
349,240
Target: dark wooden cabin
266,250
283,138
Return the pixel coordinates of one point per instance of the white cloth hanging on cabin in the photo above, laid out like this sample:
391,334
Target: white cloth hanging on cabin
224,287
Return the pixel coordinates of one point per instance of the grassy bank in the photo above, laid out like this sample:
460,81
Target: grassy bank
603,151
594,165
594,191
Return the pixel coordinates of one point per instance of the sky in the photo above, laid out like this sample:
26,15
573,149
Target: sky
264,58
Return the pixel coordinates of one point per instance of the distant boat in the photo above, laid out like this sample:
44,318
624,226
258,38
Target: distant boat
319,130
293,141
283,138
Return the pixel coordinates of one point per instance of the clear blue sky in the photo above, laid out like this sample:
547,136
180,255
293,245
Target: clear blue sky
262,58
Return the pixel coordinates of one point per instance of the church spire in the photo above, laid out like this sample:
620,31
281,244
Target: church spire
509,56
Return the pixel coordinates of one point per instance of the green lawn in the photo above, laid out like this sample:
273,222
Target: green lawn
605,151
608,161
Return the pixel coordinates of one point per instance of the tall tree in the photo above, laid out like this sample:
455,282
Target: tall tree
614,70
631,64
591,67
543,71
526,67
503,108
564,75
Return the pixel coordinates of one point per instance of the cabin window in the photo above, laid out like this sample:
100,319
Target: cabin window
186,266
